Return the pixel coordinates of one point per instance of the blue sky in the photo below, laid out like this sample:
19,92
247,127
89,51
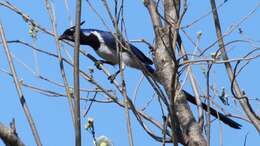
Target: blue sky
51,114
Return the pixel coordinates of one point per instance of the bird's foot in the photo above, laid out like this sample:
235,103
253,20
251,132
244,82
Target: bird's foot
112,78
98,64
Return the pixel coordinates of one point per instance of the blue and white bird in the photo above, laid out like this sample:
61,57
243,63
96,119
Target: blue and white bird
104,44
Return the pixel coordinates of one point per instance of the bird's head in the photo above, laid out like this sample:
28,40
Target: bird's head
69,34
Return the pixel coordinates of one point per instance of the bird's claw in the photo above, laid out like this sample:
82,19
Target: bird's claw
98,64
112,78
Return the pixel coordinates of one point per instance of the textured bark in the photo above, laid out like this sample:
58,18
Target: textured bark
190,129
166,67
9,136
76,77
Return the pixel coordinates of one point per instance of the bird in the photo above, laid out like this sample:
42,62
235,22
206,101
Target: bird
104,44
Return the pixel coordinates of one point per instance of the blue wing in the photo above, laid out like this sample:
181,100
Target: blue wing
140,55
111,43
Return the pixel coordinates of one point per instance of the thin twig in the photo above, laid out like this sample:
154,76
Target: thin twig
25,17
76,76
60,58
19,89
208,102
119,49
238,93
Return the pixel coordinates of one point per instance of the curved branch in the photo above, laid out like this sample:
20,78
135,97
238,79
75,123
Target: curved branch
243,100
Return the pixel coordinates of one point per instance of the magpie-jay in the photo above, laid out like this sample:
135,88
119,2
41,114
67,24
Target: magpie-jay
105,46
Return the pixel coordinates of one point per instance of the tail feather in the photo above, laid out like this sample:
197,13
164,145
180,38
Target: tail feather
192,99
214,113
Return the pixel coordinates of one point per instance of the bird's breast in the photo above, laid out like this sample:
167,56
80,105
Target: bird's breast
111,55
107,54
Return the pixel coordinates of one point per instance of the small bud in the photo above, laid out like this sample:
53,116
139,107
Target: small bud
199,34
103,141
33,30
89,123
216,55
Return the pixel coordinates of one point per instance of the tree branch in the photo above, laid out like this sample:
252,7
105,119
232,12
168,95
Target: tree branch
167,66
243,100
9,136
19,89
76,76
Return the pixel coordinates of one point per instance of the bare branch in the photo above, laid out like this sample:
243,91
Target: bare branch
238,93
25,17
19,89
61,65
9,136
76,76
